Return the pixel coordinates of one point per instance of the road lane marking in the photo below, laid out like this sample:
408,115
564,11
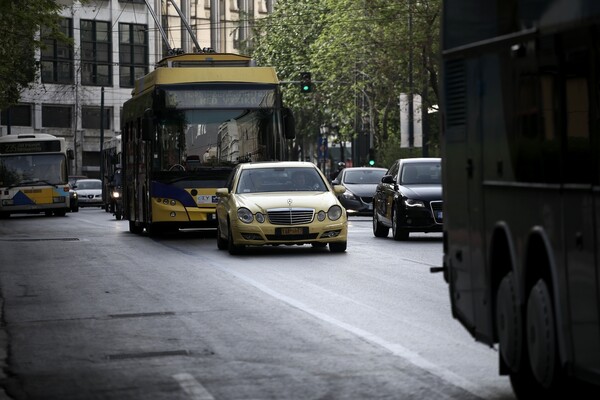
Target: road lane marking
192,387
395,348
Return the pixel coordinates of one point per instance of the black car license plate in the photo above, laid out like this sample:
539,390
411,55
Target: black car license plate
291,231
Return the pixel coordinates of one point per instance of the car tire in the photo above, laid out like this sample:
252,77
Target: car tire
234,249
75,209
397,232
379,230
222,244
338,247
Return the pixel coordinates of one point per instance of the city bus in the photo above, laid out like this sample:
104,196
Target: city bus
521,186
33,175
188,123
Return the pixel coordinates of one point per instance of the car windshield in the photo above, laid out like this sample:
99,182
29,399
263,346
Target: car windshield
363,176
421,174
260,180
87,185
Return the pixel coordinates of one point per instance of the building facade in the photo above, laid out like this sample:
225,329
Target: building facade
114,43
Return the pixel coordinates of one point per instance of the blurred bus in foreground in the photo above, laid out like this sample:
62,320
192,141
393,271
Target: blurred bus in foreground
521,177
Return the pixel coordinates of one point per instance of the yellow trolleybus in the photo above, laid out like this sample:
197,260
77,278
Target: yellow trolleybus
33,174
188,123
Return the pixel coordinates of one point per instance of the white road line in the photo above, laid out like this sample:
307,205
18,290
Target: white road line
395,348
192,387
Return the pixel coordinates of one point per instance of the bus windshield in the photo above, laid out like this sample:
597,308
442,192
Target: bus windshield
34,169
191,139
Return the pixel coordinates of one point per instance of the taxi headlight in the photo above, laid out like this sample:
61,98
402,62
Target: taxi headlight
260,217
335,212
321,215
245,215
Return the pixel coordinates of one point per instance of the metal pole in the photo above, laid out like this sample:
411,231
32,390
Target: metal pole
102,134
159,26
187,26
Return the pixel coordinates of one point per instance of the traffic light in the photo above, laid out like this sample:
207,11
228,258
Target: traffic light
371,157
305,82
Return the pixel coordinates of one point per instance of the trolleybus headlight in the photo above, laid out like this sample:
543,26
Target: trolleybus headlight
166,201
321,215
245,215
260,217
116,194
173,202
414,203
335,212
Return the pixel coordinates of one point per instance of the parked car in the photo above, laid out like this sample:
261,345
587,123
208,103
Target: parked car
74,201
360,184
89,192
409,198
280,203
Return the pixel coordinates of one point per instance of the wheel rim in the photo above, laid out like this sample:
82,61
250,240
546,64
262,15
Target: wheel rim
541,338
508,323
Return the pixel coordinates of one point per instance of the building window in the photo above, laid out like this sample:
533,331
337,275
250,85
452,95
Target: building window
20,115
57,56
96,66
90,118
56,116
133,53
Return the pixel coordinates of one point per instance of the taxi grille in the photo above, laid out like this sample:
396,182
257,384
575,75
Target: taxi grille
290,216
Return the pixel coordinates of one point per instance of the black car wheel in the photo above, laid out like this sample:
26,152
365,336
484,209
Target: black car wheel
379,230
397,232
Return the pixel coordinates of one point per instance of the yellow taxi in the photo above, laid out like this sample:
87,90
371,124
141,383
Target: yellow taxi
280,203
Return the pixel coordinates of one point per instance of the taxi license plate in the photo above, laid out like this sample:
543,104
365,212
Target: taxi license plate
291,231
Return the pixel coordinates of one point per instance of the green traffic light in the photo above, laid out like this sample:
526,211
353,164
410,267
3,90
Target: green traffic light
371,162
306,88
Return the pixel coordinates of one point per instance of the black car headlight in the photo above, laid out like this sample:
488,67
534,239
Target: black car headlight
245,215
349,195
413,203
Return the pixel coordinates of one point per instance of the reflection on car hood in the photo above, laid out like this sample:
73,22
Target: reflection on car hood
265,201
423,192
362,190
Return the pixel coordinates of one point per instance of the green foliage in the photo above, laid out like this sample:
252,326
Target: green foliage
20,23
358,53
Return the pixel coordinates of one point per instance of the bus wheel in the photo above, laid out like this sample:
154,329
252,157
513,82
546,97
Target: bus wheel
508,323
118,216
4,215
48,213
222,244
541,337
60,213
136,229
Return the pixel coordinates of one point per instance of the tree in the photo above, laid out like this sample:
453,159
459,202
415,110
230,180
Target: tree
358,52
20,25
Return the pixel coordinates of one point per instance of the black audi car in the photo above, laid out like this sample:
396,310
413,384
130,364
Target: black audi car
409,198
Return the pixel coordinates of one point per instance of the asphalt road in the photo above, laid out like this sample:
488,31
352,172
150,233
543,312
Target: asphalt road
94,312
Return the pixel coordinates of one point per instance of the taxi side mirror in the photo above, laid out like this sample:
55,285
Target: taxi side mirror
222,192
